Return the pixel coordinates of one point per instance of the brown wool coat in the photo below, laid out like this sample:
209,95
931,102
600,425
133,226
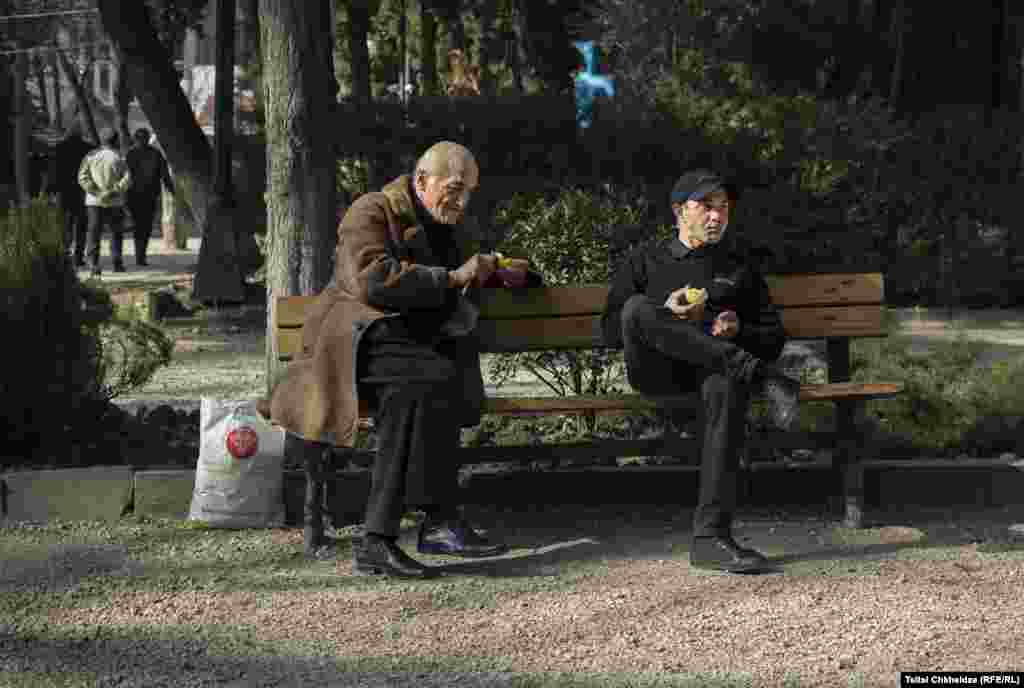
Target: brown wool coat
383,265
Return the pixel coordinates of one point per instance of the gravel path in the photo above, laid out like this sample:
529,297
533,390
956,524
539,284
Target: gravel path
605,594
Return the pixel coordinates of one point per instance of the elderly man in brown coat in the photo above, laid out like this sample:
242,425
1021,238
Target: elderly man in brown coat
394,329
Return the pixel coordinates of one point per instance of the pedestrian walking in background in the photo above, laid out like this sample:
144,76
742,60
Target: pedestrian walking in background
63,181
148,169
105,178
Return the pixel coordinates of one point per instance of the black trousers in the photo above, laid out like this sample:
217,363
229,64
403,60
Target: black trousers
112,219
143,210
412,383
666,355
75,223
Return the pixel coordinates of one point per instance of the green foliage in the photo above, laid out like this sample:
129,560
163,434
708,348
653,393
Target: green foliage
569,239
352,177
126,352
65,351
946,395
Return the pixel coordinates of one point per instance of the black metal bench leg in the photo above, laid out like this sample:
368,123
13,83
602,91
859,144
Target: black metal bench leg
849,466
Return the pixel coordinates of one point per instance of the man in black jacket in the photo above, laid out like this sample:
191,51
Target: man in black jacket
149,169
694,314
63,180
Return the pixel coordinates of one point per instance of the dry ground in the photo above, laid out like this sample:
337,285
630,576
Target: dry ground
588,596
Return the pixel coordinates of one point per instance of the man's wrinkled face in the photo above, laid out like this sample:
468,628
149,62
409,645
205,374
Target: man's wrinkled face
446,196
704,221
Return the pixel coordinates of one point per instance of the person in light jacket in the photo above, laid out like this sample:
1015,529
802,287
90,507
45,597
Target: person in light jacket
105,178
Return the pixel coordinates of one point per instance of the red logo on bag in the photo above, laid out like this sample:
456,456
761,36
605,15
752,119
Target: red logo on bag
242,442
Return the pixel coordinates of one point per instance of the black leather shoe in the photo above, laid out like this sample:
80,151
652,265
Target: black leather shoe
456,538
783,393
723,554
374,556
119,267
142,262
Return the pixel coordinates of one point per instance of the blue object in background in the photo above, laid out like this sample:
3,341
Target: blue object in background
589,85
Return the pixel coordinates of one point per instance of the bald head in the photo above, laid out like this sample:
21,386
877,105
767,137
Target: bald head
446,176
447,159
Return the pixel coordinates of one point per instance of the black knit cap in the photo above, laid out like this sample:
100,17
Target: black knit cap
697,184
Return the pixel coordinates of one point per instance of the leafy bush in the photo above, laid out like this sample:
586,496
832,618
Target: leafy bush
574,238
127,351
945,396
40,316
66,352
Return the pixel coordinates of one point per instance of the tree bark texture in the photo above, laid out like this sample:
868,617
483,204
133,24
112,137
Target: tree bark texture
516,48
84,109
881,29
55,91
899,37
360,12
428,50
301,214
22,127
39,72
122,102
487,15
453,23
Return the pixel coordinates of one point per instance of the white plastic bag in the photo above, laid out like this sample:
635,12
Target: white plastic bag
240,473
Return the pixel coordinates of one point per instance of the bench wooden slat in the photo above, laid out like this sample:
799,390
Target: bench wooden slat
787,291
834,391
583,331
624,403
822,290
539,334
499,304
833,321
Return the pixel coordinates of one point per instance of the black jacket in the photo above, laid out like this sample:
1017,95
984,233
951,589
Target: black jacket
728,270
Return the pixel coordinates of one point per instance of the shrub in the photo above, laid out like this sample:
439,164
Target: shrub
576,237
67,353
945,393
40,317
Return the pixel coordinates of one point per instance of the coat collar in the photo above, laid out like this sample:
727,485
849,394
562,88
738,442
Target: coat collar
403,205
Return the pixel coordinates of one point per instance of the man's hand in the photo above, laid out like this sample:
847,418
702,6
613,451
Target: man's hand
727,325
474,271
679,307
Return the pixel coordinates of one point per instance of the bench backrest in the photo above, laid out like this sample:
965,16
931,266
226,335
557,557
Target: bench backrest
813,306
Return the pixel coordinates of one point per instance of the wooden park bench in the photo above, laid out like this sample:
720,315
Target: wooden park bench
835,307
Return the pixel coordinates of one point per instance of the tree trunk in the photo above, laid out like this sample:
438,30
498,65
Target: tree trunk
39,72
295,40
899,33
22,127
881,29
153,79
122,102
55,92
84,109
428,50
516,51
360,12
487,15
453,23
249,32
